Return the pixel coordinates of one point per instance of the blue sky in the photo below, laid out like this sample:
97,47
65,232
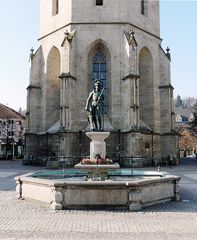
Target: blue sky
179,32
19,24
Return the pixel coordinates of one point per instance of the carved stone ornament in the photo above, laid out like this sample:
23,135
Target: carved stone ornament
68,37
131,38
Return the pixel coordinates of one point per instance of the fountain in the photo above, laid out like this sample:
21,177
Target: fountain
98,184
123,188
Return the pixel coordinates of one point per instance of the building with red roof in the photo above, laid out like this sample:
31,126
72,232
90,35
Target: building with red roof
12,128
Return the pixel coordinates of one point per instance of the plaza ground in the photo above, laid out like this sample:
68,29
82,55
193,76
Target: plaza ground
21,219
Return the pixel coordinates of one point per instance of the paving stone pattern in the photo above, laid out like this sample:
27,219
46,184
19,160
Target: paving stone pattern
22,219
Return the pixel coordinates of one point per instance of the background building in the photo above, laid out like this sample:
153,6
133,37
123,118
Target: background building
12,128
117,42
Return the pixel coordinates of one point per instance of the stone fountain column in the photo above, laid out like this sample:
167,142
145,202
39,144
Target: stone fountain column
97,145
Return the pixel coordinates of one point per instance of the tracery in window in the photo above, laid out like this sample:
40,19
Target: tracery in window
100,73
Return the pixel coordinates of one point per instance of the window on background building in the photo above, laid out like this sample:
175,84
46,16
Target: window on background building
55,7
144,7
99,2
100,73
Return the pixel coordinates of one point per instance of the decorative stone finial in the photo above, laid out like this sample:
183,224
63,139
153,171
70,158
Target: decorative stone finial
68,37
132,40
168,53
31,54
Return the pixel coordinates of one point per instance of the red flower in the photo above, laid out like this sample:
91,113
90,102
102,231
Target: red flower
96,161
100,161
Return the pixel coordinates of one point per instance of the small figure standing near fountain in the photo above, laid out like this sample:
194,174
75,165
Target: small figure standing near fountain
94,106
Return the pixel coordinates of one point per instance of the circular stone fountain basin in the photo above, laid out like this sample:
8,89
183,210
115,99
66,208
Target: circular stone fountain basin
124,188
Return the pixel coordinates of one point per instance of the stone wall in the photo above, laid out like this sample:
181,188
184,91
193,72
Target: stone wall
139,89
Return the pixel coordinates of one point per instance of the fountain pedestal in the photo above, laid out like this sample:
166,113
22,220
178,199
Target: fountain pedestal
96,171
97,145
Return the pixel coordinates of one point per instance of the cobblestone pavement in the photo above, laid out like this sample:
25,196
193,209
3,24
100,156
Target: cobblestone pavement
21,219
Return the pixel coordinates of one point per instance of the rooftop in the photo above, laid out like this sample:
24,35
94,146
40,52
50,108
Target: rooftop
7,112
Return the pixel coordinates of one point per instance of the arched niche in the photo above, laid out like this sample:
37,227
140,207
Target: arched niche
146,87
52,87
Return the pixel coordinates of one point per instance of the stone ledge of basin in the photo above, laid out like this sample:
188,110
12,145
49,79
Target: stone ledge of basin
40,181
133,183
57,183
90,183
24,176
141,182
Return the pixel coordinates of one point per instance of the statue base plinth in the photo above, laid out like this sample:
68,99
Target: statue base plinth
97,145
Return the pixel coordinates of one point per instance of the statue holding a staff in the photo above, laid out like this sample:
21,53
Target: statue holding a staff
94,106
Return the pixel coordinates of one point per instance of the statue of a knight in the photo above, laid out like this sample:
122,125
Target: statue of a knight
94,106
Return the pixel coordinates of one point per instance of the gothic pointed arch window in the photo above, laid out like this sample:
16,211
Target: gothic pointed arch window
99,72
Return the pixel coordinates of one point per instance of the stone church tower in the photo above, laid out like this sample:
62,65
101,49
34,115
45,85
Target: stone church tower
119,43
